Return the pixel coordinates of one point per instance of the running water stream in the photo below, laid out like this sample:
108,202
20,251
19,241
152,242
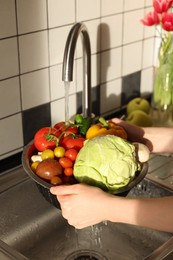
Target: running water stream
87,248
67,87
94,232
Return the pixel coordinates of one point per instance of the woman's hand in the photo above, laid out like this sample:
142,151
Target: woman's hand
82,205
135,133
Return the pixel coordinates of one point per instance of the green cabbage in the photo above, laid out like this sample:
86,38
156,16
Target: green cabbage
108,162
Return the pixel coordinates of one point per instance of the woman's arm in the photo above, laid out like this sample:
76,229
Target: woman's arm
155,213
83,205
161,139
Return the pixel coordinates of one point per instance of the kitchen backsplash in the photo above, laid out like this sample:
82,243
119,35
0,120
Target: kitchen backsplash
32,39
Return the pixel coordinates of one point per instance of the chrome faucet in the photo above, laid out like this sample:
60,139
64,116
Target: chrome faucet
67,72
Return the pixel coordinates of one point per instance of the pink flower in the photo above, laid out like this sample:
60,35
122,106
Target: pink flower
167,21
170,2
151,18
161,6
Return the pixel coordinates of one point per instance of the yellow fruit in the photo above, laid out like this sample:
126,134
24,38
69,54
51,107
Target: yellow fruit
34,166
47,154
138,103
139,118
59,151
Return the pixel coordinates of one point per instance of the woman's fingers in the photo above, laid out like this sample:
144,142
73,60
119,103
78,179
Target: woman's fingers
65,189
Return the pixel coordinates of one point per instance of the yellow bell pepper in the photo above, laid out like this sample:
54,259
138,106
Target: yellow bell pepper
105,128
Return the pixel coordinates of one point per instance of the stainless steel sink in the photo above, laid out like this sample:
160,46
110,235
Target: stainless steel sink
36,230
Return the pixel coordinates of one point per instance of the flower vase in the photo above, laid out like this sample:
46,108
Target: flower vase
162,101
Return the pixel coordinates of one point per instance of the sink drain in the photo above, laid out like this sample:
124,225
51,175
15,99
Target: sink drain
85,255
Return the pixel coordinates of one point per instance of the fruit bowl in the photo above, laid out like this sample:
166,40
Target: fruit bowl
44,186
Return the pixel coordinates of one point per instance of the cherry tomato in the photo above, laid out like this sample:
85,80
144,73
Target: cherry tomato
71,154
65,162
47,154
59,151
63,127
34,166
72,141
68,171
46,138
56,180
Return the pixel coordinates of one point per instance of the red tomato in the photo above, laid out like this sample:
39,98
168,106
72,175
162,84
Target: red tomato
46,138
68,171
56,180
71,141
65,162
71,154
67,128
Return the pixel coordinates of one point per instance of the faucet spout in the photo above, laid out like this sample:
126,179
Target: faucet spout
68,61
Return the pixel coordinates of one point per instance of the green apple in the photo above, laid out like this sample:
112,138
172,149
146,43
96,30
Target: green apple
139,118
138,103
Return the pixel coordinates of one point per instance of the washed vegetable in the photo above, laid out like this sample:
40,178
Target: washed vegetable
34,165
36,158
48,169
78,119
59,151
71,154
143,153
47,154
108,162
83,123
56,180
66,127
68,171
58,148
72,141
105,128
65,162
46,138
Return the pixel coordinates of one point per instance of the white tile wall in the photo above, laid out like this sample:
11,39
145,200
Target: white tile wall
93,28
31,15
147,80
61,12
35,89
110,100
33,51
109,7
58,110
9,90
87,10
148,52
11,137
95,72
111,31
9,58
57,39
111,62
7,18
133,29
32,41
148,3
132,58
131,5
56,83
